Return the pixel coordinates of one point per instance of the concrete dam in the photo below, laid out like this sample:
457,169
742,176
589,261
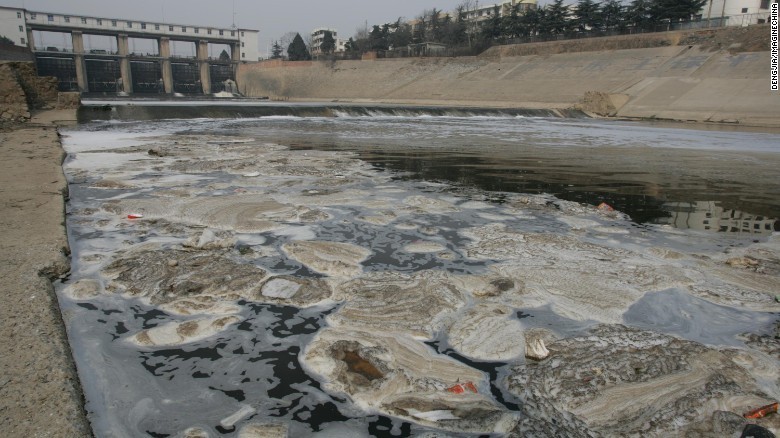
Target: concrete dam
705,76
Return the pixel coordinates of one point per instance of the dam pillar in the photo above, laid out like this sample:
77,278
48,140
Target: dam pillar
203,64
235,53
30,40
165,67
78,59
124,63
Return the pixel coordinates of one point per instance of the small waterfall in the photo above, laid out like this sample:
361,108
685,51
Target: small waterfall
152,110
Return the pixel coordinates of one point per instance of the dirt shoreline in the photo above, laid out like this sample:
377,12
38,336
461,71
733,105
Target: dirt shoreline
40,394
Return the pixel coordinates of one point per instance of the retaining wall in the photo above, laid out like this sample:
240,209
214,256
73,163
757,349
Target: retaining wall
666,78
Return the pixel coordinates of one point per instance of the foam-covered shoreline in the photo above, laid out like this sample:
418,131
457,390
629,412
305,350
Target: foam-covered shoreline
313,228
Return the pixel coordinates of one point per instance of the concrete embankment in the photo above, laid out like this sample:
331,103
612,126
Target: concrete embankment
714,75
40,395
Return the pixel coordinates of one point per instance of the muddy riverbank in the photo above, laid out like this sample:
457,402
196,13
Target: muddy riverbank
40,395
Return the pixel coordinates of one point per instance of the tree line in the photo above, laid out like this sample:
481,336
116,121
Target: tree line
456,30
556,18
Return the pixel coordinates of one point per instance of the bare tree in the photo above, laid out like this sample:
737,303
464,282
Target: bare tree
472,26
287,39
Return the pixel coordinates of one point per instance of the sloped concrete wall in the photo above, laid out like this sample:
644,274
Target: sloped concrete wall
665,81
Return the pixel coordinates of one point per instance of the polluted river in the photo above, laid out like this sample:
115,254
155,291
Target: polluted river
282,270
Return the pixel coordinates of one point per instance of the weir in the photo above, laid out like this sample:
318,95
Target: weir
79,68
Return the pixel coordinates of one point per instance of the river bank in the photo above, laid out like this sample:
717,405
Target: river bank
715,76
40,395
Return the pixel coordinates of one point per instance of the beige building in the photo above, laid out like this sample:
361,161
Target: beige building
318,35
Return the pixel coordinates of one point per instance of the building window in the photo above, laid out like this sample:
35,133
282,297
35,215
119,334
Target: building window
232,33
208,31
21,29
184,29
33,16
197,30
243,55
221,32
50,17
156,27
170,28
23,43
130,24
744,10
143,26
113,23
242,33
97,20
242,43
764,4
67,19
18,15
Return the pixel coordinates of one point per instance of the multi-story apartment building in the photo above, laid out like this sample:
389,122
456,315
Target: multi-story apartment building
13,25
318,35
485,11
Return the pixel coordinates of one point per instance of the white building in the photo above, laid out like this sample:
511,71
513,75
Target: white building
739,13
13,25
486,11
318,35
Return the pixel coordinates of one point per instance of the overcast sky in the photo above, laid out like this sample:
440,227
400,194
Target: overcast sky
272,18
